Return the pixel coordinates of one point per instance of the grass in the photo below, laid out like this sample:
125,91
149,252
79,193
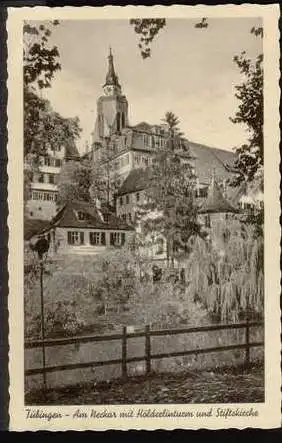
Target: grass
226,385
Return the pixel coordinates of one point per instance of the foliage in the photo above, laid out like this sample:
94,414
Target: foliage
104,178
148,29
249,161
165,305
74,182
44,128
170,207
226,274
117,279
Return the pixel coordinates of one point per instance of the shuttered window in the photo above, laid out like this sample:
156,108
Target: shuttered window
97,238
75,238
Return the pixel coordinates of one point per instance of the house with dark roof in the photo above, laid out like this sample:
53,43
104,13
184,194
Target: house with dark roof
42,203
85,228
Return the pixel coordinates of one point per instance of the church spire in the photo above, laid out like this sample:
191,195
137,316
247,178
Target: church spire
111,77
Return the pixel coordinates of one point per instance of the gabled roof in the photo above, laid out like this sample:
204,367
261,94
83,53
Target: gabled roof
143,126
137,180
67,217
71,151
215,202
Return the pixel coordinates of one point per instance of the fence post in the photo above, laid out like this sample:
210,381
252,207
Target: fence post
247,339
124,352
147,349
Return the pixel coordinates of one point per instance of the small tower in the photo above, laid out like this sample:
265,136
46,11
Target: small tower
216,203
215,207
112,107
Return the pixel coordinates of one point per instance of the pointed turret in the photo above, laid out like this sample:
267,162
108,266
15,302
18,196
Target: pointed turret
215,202
111,85
112,107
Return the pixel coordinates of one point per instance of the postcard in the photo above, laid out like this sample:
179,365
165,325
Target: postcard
143,165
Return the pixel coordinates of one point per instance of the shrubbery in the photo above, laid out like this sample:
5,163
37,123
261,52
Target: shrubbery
224,280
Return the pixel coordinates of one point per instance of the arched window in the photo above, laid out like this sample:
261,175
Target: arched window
118,122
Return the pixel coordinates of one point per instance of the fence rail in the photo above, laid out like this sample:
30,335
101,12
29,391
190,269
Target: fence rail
148,357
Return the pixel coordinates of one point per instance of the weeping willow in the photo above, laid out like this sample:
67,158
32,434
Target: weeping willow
226,273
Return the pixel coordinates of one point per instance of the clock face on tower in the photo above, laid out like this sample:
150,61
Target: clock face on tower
109,90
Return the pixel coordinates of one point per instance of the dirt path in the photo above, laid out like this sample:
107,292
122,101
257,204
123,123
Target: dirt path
229,386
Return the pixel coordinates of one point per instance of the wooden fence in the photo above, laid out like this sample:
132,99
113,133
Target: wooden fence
148,356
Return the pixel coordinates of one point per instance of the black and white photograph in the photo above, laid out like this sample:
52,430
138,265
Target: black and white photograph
144,214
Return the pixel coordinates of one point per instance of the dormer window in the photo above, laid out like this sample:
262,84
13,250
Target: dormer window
106,218
82,216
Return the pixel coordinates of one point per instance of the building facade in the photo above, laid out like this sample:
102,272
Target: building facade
85,228
127,149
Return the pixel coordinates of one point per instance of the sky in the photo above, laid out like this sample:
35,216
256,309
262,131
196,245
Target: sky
191,72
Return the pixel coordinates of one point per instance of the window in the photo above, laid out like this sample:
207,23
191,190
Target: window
160,246
41,178
106,218
123,217
207,221
146,140
122,238
82,216
138,196
123,120
127,199
203,192
58,162
75,238
44,195
97,238
52,178
120,201
118,122
129,217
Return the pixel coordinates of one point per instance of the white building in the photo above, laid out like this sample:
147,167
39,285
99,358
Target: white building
44,189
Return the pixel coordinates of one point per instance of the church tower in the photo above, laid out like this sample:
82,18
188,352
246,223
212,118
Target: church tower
112,107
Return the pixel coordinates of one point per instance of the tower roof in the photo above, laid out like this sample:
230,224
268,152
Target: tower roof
111,77
215,202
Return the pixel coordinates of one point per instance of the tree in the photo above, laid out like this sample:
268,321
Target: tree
74,182
170,208
104,178
250,156
40,62
44,128
227,275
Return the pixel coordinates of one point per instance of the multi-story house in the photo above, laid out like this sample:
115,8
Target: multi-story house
128,151
42,204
